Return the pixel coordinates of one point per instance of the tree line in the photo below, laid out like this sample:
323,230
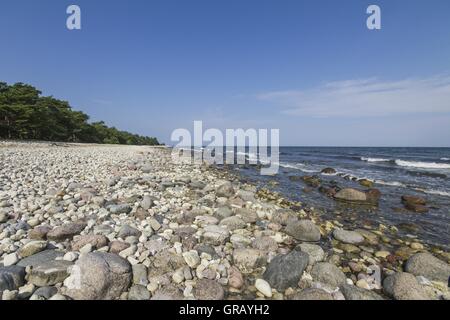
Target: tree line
27,115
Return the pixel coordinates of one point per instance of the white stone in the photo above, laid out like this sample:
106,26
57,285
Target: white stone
264,287
10,259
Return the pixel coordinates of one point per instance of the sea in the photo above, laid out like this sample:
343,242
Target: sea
423,172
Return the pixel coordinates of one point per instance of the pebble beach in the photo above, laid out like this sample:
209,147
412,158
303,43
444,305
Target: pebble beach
107,222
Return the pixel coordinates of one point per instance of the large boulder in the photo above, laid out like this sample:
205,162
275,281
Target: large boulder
303,230
95,240
404,286
99,276
285,271
427,265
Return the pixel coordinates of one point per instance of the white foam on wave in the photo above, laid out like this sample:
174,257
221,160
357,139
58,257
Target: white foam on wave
445,159
422,165
391,183
375,159
297,166
435,192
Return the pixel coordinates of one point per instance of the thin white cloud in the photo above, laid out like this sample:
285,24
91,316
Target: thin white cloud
366,98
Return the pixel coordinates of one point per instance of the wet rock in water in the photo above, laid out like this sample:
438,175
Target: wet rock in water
248,259
366,183
315,252
225,190
328,171
206,289
356,196
404,286
101,276
415,204
168,292
312,294
67,231
96,241
312,181
328,274
49,273
138,292
285,271
328,191
354,293
12,277
427,265
351,237
303,230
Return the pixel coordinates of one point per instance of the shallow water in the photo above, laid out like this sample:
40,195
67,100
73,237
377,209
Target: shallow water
423,172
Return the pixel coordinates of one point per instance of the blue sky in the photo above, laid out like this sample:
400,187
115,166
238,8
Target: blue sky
310,68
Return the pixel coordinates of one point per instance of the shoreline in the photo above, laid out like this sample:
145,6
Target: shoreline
178,231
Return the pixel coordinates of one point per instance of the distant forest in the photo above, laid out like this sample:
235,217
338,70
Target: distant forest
27,115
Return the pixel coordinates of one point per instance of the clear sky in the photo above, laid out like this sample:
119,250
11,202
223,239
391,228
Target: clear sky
310,68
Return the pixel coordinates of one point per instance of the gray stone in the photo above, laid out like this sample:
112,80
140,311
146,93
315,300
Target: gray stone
328,273
315,252
215,235
46,292
248,259
40,258
103,276
147,202
140,276
127,231
223,212
285,271
206,289
313,294
303,230
225,190
49,273
120,208
350,237
67,231
32,247
138,292
233,223
95,240
427,265
404,286
355,293
168,292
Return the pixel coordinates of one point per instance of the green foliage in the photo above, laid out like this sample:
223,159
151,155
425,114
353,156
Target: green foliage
25,114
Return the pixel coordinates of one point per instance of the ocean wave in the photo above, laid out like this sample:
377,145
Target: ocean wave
391,183
435,192
422,165
375,159
445,159
297,166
